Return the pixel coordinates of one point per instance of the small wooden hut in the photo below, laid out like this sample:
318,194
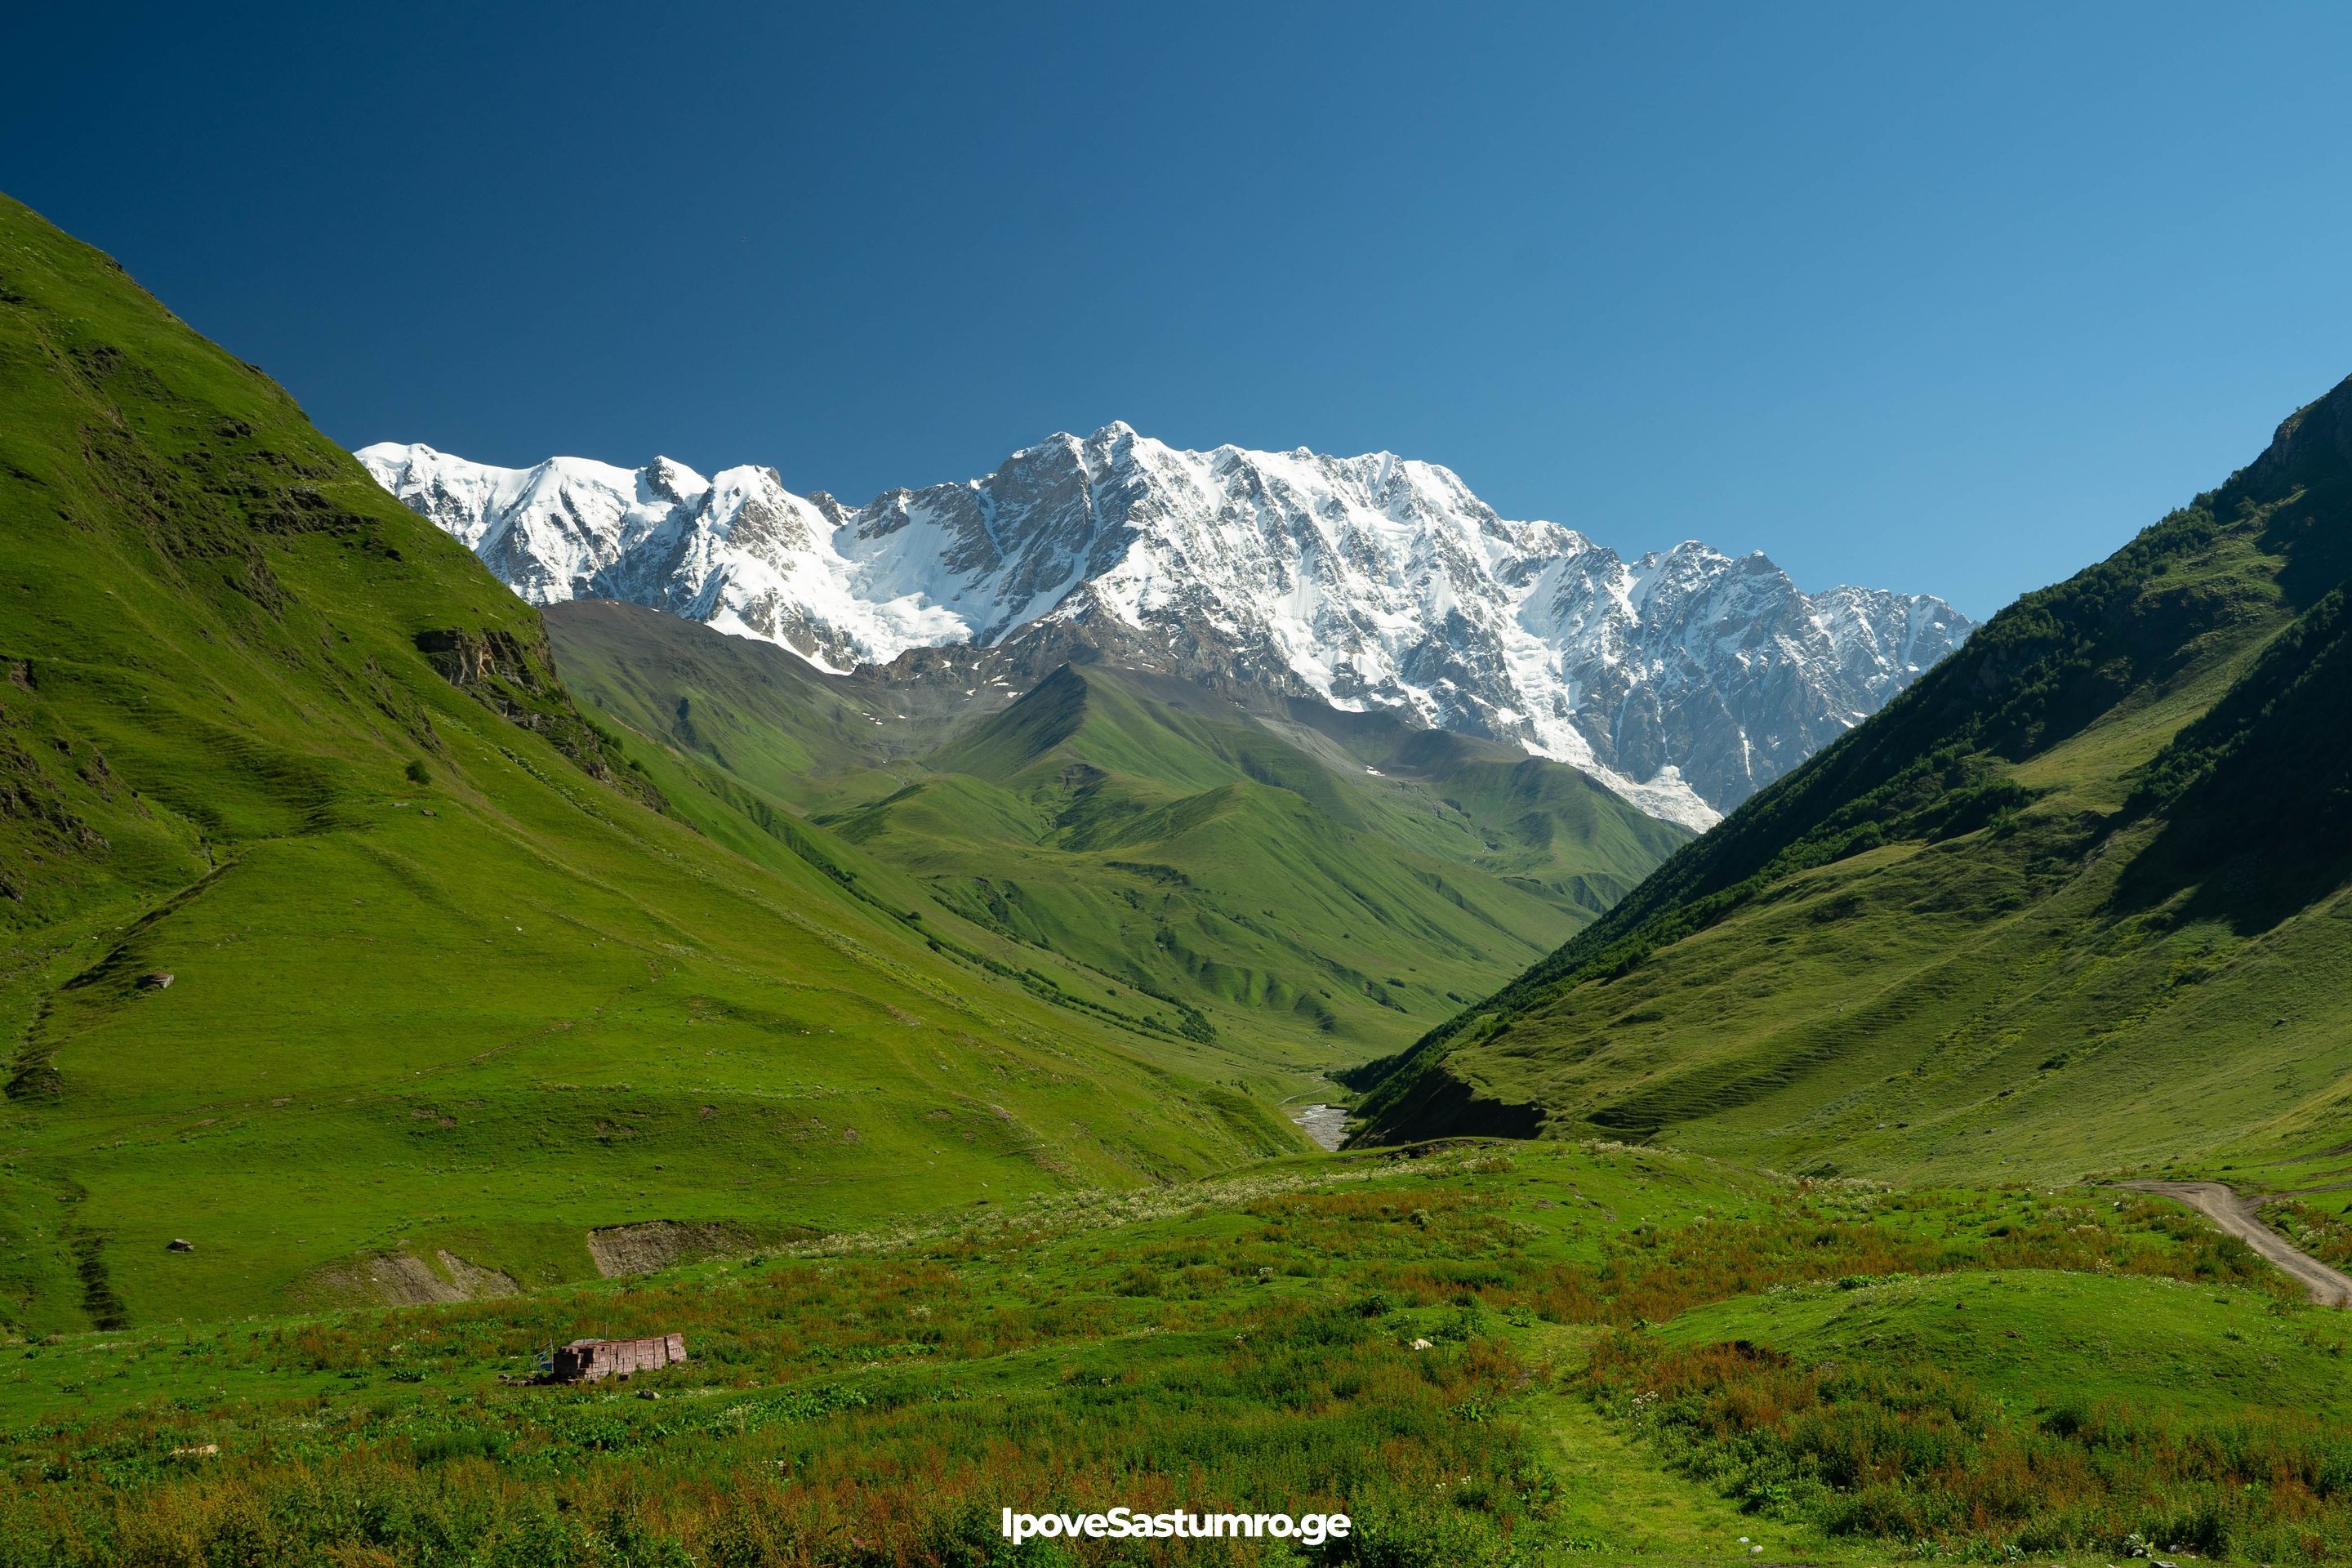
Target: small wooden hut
591,1361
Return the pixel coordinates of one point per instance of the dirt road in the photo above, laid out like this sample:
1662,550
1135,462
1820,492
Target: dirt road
2236,1216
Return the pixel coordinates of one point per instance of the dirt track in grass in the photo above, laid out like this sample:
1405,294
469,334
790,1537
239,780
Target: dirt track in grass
2237,1216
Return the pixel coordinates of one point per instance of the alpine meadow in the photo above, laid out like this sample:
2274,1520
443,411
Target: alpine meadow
1209,982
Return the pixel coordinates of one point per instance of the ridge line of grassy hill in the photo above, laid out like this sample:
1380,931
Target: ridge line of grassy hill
451,972
2081,863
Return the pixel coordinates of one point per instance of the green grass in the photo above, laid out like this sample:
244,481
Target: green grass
1426,1341
2038,1341
1292,898
1992,1415
528,996
2071,903
761,717
942,1054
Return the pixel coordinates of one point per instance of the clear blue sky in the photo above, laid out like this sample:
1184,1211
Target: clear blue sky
1943,298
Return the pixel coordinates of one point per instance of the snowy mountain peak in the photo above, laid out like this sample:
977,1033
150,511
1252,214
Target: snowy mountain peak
1685,680
672,479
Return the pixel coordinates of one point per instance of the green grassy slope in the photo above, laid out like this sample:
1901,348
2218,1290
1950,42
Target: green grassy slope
2071,901
748,710
1207,860
2042,1340
450,973
740,736
1544,828
1287,897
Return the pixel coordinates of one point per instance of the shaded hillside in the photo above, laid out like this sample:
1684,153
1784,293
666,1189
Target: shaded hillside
757,711
1288,887
2072,899
339,943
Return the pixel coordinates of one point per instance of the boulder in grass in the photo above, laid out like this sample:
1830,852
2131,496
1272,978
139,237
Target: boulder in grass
157,980
180,1244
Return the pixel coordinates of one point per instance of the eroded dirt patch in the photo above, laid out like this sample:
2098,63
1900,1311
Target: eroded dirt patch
404,1279
655,1244
479,1284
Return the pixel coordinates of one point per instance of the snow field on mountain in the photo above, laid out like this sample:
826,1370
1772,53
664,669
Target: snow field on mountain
1685,680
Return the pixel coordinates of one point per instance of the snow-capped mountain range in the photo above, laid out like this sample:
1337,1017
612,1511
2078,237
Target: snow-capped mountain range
1685,680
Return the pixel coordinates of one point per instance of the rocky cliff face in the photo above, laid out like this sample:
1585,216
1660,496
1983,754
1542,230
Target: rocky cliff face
1685,680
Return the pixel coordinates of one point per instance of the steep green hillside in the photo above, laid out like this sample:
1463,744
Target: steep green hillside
339,945
749,711
2073,901
1292,889
1544,828
1206,860
740,736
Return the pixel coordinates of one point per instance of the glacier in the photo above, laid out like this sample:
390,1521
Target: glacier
1685,679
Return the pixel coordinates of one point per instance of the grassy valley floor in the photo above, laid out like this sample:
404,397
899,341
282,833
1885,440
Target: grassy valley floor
1536,1353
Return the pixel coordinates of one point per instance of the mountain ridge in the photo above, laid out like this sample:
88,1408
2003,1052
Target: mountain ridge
1682,679
2072,898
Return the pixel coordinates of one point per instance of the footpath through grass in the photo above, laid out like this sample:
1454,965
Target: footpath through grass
1534,1354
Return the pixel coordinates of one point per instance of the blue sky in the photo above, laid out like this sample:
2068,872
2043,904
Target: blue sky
1938,298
